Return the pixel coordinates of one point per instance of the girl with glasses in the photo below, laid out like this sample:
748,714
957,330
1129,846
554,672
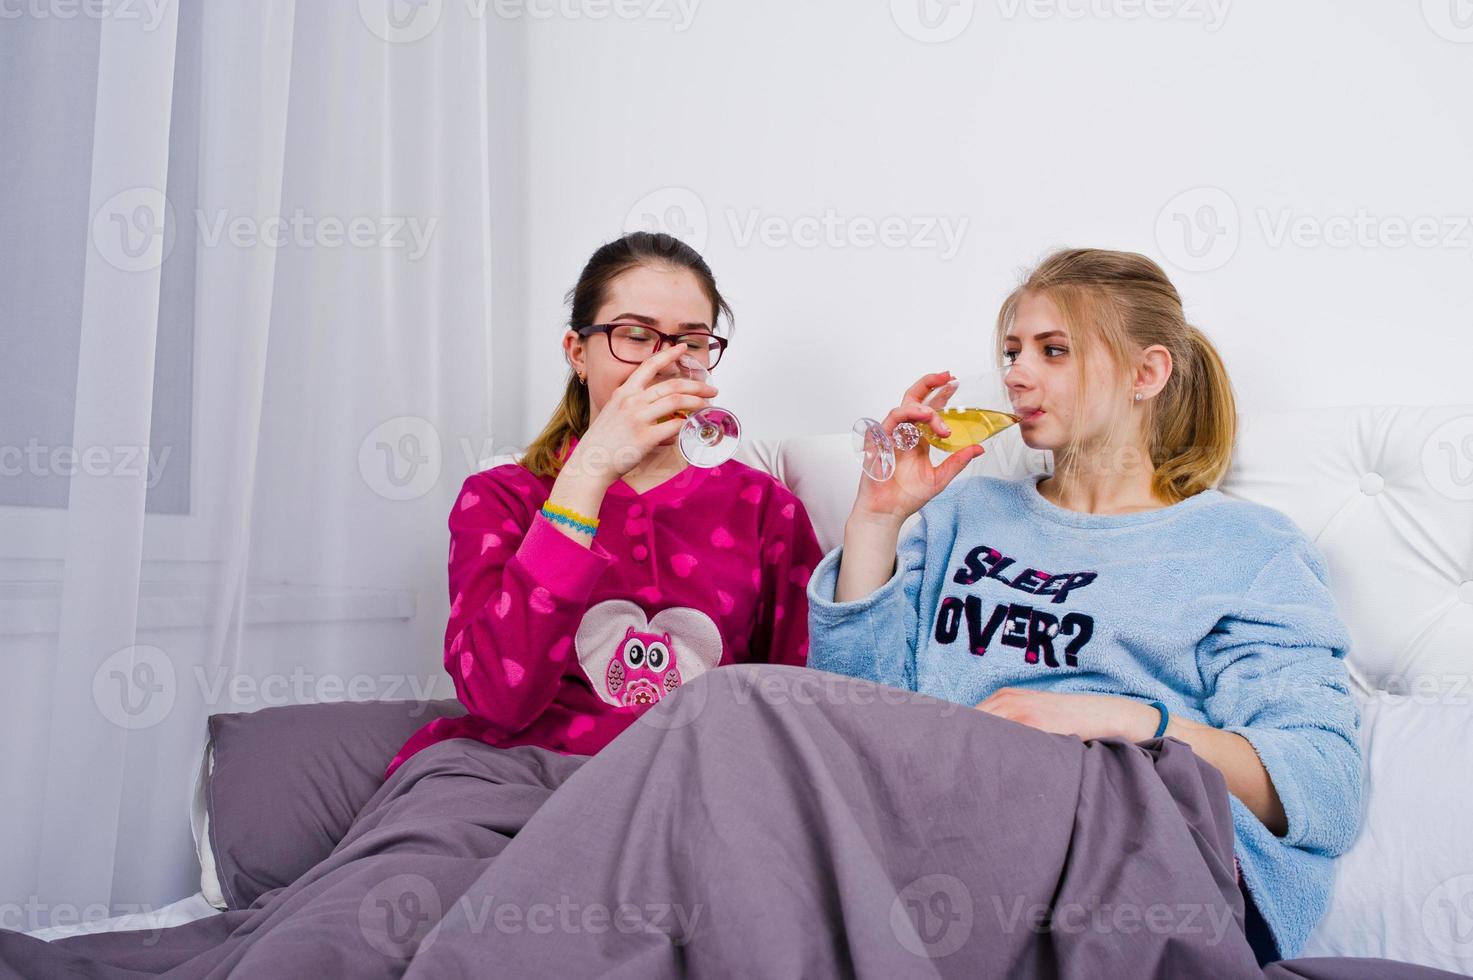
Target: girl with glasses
600,572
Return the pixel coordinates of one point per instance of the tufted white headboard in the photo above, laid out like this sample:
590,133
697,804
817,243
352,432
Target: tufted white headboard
1386,493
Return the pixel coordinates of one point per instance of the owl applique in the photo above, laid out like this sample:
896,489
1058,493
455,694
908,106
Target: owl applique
631,661
643,670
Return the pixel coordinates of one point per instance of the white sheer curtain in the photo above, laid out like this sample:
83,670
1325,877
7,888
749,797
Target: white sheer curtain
247,254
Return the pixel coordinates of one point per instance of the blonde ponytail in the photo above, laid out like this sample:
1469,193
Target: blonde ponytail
1195,426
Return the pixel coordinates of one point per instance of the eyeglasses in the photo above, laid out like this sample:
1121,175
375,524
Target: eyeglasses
635,342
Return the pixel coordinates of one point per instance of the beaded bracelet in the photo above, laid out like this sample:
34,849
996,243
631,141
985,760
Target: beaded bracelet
571,518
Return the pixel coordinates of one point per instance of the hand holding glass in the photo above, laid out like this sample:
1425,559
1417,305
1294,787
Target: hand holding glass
710,436
975,407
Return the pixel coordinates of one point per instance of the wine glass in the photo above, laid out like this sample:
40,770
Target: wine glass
711,435
975,407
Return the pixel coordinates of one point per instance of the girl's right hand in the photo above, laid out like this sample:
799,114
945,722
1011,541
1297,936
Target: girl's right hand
628,427
915,480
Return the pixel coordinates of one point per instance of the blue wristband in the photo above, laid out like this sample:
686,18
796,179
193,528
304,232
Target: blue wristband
1165,718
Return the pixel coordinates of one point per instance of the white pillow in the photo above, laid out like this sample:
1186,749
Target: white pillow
199,825
1404,891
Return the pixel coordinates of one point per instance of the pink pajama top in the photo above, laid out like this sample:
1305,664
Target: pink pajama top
554,644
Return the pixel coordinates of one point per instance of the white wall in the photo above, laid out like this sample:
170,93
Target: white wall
1038,125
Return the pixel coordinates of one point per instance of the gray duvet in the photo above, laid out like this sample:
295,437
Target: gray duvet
764,822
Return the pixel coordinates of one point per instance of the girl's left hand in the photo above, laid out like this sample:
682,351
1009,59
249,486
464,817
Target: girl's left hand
1085,715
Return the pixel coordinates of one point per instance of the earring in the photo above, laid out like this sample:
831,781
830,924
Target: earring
583,381
1137,396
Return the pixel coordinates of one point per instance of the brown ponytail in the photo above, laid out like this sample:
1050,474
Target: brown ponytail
570,419
1120,303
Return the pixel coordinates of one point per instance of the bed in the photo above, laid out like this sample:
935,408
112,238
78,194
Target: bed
1368,481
